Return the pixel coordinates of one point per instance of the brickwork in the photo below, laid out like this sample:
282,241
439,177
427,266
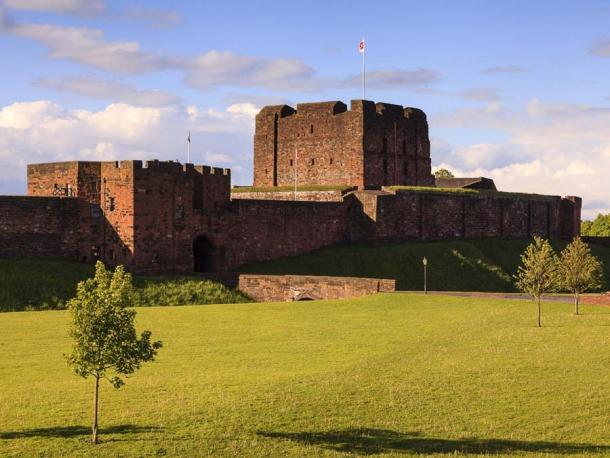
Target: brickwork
279,288
369,146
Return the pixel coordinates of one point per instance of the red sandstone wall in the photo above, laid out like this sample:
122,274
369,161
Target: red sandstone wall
268,288
117,202
65,179
431,215
319,142
43,227
371,145
265,230
396,146
54,179
151,215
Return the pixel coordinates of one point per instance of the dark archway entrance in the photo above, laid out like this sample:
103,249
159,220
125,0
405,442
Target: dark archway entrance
203,255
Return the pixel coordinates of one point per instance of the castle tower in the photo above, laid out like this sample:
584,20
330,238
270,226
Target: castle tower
369,146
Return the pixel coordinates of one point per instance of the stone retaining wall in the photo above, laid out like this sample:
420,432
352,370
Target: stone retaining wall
275,288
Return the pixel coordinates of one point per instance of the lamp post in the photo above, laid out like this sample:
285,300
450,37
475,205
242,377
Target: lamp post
425,263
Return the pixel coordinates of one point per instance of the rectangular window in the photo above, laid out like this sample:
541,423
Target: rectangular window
96,211
313,162
111,205
290,162
331,161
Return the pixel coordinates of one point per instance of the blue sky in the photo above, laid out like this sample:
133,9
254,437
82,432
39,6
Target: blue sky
517,90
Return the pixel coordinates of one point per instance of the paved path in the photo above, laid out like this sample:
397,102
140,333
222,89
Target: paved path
595,298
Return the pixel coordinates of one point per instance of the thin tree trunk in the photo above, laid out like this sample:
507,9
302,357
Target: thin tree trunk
539,325
576,302
95,403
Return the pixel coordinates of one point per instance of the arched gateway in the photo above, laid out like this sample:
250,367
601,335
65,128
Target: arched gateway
203,255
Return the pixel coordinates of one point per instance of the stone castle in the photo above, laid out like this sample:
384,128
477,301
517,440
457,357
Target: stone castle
163,216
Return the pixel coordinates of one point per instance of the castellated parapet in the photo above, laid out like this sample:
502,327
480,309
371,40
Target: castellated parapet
368,146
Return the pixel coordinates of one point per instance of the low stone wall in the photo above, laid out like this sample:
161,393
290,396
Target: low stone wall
275,288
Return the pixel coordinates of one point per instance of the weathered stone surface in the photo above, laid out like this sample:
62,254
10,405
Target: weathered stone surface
369,146
268,288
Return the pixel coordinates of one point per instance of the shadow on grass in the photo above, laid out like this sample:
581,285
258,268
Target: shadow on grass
366,441
72,431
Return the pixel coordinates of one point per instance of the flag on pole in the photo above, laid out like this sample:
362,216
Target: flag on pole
361,46
189,137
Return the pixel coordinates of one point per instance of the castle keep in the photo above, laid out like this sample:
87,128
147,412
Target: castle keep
369,146
162,216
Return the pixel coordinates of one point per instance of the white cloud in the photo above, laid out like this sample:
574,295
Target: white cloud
100,88
216,68
41,131
84,7
89,47
556,148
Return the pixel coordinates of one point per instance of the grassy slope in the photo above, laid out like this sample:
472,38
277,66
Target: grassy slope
37,284
389,374
468,265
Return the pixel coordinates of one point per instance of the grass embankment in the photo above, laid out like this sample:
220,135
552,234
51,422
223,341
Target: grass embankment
339,187
390,374
471,192
468,265
37,284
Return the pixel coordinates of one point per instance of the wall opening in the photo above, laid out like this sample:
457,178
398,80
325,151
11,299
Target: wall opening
203,255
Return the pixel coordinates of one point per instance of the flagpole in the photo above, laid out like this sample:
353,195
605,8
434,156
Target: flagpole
296,156
188,157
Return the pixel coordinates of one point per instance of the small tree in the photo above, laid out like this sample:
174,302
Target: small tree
538,272
579,270
105,341
444,173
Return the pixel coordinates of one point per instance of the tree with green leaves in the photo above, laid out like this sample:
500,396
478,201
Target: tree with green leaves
579,270
538,272
105,343
444,173
599,227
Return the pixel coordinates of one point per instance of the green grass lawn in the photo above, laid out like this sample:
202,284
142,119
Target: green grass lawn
390,374
455,265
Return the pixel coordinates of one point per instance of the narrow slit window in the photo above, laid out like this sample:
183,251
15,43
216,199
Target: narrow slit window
331,161
313,162
311,129
291,164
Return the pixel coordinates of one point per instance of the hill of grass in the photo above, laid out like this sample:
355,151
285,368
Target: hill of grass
392,374
464,265
27,284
